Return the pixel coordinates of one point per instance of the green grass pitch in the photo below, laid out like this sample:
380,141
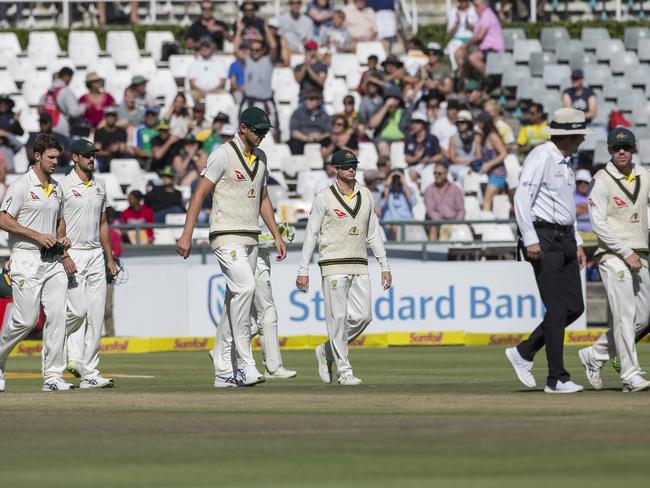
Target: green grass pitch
443,416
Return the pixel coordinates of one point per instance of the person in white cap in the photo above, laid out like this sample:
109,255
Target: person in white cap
618,208
581,197
546,217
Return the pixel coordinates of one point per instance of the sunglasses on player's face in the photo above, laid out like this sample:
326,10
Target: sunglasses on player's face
258,132
348,166
624,147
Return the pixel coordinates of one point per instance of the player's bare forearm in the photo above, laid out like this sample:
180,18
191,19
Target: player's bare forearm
204,187
105,239
268,215
11,225
60,234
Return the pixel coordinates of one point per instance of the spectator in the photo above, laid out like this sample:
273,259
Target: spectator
443,201
9,121
9,145
373,73
432,103
45,126
258,90
308,124
321,13
581,197
110,140
493,153
464,147
444,128
336,36
415,57
421,148
115,14
391,122
580,97
3,181
360,21
96,100
531,134
198,122
370,104
505,131
61,102
342,137
207,74
434,74
394,71
397,202
280,55
165,199
163,147
372,179
326,180
349,113
296,27
385,21
487,38
250,27
384,166
146,133
187,162
237,72
139,86
178,115
311,74
129,115
214,139
207,25
474,95
137,213
461,20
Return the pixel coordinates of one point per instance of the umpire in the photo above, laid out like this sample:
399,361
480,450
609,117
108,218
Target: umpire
546,217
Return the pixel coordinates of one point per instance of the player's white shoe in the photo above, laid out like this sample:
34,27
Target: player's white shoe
522,367
73,368
593,368
225,381
249,376
324,366
566,387
637,384
96,382
2,381
57,384
349,380
280,373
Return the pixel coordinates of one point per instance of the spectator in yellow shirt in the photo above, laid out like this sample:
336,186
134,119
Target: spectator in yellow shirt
531,135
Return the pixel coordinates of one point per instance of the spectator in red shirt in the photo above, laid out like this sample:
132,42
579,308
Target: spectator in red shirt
137,213
443,201
96,99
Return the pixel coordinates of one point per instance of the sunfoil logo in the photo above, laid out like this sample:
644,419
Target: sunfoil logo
216,297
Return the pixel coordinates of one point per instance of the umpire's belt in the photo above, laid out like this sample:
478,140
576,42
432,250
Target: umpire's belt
542,224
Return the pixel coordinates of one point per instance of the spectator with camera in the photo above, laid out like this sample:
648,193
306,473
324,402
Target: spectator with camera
397,202
443,201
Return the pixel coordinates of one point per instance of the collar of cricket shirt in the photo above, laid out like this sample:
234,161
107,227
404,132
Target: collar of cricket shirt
78,181
250,168
47,189
619,177
342,197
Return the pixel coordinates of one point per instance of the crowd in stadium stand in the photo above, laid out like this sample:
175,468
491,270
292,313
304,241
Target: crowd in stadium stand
430,108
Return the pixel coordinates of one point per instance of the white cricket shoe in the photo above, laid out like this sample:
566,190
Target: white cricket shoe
96,382
2,381
73,368
522,367
638,383
280,373
57,384
249,376
324,366
349,380
593,368
566,387
225,381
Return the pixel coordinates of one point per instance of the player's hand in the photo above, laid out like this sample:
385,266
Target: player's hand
582,257
633,262
302,283
281,247
68,265
112,268
46,240
184,246
534,252
67,243
386,280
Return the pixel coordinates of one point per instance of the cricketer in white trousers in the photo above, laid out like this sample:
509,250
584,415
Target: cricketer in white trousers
36,282
232,346
85,314
629,298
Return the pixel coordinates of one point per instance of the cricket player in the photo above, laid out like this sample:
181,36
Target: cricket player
236,174
343,220
90,254
618,203
32,214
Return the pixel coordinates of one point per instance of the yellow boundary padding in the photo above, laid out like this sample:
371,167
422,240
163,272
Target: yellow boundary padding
449,338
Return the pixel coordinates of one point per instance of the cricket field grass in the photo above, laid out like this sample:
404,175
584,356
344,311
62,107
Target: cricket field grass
427,416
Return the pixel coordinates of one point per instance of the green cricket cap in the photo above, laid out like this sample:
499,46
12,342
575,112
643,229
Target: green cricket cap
255,118
621,137
82,146
344,159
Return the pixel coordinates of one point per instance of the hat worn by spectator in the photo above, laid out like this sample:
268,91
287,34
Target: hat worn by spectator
392,59
392,91
207,41
472,85
82,146
567,122
163,125
344,159
93,76
8,100
167,171
110,110
372,175
577,74
255,118
464,116
248,2
138,80
273,22
620,136
583,175
434,47
227,130
154,109
311,45
420,117
221,117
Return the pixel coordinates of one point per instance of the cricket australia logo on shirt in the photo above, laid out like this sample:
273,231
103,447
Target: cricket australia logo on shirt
619,203
76,193
354,231
33,196
339,213
239,176
251,193
634,219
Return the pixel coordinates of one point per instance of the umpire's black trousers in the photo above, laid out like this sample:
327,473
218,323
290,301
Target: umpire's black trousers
558,278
